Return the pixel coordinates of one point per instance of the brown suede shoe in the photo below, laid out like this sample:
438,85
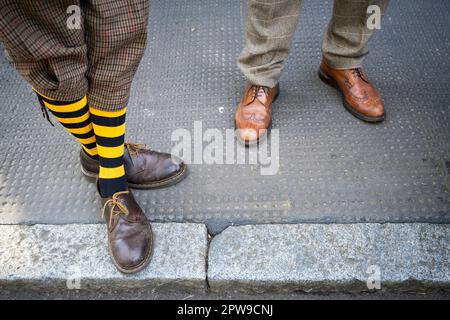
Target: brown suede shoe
130,237
254,113
145,168
360,97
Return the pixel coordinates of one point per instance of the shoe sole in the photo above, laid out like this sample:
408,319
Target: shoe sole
260,139
332,83
170,181
139,267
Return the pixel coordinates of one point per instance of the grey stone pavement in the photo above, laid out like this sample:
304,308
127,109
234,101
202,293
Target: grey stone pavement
348,196
306,258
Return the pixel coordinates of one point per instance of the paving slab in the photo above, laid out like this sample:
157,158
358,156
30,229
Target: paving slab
327,258
75,257
333,168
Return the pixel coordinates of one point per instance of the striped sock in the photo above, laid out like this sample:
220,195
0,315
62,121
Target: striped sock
75,117
109,129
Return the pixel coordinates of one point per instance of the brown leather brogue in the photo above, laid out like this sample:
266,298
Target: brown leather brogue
360,97
145,168
254,113
130,237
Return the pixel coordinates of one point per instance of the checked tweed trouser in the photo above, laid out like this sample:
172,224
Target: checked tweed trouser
271,25
64,61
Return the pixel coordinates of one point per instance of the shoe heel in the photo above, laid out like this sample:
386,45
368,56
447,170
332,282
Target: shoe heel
89,176
327,80
276,96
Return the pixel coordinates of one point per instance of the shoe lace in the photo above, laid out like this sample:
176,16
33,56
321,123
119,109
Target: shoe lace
117,207
256,89
135,148
357,72
44,110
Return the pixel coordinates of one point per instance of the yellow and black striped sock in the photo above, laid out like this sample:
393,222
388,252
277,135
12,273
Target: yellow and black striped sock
75,117
109,129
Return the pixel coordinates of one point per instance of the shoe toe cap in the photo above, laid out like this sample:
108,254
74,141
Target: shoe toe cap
131,256
250,135
172,165
378,110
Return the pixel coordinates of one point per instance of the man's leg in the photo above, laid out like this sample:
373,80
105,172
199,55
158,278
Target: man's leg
52,58
344,48
115,33
116,37
76,118
270,28
49,55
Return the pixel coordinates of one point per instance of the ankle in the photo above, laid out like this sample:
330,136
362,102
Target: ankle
107,188
93,157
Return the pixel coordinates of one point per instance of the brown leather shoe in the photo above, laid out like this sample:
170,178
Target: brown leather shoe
130,237
360,97
254,113
145,168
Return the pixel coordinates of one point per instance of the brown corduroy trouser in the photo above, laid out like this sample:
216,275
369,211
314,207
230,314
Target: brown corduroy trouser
70,48
270,29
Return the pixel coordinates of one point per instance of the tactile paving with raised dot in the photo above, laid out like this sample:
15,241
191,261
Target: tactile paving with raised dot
333,168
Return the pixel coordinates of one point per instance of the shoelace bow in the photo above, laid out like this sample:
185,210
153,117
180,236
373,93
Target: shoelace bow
117,207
